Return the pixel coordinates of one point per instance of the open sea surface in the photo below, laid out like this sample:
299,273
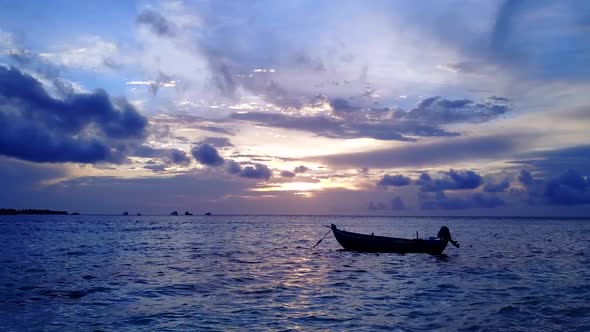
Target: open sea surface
128,273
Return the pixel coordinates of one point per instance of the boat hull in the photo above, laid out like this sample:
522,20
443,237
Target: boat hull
370,243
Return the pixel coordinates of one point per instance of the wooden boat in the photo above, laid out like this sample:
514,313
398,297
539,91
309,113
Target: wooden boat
372,243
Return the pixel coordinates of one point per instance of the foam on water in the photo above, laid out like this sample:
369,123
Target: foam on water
219,273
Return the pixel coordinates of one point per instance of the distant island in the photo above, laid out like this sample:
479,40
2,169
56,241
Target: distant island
12,212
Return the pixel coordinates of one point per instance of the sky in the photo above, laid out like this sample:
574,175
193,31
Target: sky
476,108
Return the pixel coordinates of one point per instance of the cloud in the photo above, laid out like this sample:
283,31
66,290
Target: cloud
156,168
179,157
156,22
397,204
300,169
207,155
427,154
450,180
525,178
553,162
233,167
529,41
339,128
342,107
379,206
253,171
82,127
218,142
441,202
395,124
437,110
256,171
397,180
496,187
568,189
287,174
169,156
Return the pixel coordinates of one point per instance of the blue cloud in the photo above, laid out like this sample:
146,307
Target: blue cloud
156,22
397,204
496,187
207,155
450,180
441,202
525,178
568,189
218,142
442,111
287,174
168,156
397,180
233,167
300,169
82,127
257,171
376,206
394,124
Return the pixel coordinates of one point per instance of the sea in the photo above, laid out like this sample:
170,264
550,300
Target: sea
261,273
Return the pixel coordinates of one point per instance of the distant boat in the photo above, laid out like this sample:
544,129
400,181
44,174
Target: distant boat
371,243
186,213
174,213
208,213
125,213
139,214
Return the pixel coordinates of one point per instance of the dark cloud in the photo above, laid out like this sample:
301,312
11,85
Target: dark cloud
196,122
340,128
526,41
437,110
256,171
82,127
553,162
207,155
496,187
156,22
300,169
568,189
450,180
218,142
156,168
397,204
427,154
287,174
525,178
233,167
397,180
341,107
379,206
223,75
439,201
169,156
349,121
179,157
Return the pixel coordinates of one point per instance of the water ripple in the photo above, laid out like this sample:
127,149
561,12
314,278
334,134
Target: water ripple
226,273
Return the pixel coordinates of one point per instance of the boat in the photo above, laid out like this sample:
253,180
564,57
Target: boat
371,243
174,213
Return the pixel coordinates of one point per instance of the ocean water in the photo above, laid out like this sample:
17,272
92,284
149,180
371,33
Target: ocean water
115,273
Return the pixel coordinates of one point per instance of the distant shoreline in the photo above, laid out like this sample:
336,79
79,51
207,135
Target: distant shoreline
12,212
